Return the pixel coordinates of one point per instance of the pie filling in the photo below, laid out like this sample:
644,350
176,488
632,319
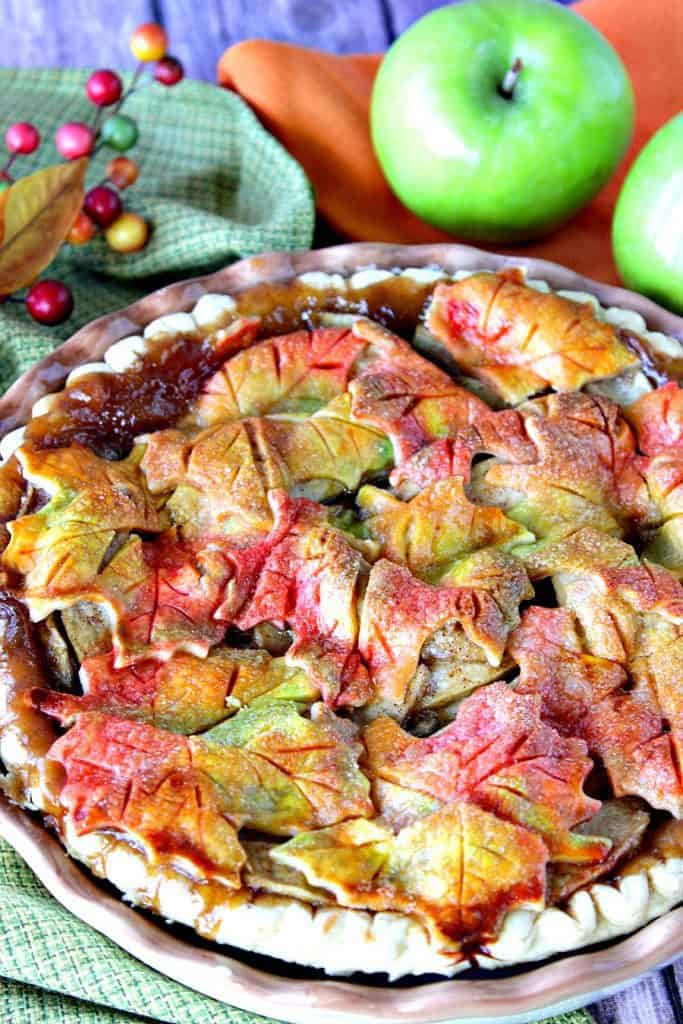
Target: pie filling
296,606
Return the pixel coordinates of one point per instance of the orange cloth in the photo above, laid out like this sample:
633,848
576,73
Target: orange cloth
317,105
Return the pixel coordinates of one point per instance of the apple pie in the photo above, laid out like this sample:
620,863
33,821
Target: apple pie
341,619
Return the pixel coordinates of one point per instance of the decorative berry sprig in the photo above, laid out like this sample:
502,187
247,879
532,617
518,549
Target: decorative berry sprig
82,214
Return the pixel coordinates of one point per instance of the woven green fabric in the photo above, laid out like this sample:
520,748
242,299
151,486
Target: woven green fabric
215,185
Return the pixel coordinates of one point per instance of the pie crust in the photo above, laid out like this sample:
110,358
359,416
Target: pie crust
307,924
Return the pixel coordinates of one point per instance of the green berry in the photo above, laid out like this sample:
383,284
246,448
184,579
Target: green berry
4,184
120,132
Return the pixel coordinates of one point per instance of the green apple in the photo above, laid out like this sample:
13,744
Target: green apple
497,120
647,232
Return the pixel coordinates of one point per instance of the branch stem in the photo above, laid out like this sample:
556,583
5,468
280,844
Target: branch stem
133,87
4,173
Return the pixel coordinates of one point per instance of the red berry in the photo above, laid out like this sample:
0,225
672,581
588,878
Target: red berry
122,172
74,139
104,87
81,231
103,205
22,138
169,70
148,42
50,302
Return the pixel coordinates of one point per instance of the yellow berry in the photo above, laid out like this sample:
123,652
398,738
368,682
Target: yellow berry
128,233
148,42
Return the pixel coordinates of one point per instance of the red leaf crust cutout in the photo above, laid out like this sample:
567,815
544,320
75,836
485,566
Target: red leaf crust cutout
128,777
500,755
658,420
619,687
519,341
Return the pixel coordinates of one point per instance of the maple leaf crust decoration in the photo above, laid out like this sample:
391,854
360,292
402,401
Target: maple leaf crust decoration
166,694
298,372
519,341
498,754
162,597
608,668
584,471
171,596
402,609
436,527
400,613
308,579
657,418
59,550
506,790
221,477
268,768
376,415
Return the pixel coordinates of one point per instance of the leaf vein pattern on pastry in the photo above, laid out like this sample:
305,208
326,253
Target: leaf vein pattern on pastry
416,634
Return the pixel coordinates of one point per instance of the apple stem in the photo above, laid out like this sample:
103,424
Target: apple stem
507,88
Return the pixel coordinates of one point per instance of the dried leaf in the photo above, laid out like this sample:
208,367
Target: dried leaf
4,196
37,213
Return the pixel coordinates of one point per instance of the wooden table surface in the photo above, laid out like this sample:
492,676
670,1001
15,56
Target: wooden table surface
87,33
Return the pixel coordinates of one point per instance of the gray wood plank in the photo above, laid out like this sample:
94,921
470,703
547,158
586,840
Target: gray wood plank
200,31
69,33
673,977
647,1002
402,13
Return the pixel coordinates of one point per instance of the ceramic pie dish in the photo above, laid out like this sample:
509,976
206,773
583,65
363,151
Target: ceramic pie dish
342,623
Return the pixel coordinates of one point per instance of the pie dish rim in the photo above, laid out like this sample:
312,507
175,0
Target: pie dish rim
304,998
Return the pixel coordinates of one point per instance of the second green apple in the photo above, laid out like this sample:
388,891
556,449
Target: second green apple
647,231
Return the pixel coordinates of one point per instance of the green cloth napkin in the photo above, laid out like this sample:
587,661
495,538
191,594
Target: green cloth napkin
216,187
214,184
48,957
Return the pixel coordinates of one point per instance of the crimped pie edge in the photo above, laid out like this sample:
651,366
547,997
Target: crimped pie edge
388,942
